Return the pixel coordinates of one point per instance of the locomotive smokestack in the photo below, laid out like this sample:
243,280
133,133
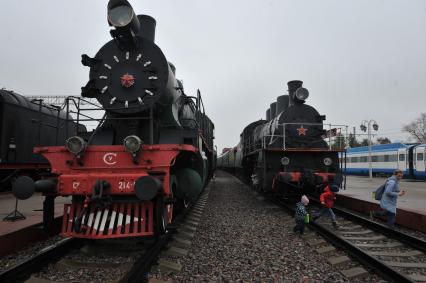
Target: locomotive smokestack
292,87
268,115
147,27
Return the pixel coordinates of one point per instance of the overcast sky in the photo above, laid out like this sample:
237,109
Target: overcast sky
359,59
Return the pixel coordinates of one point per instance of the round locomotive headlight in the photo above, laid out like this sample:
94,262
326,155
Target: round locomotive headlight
75,145
328,161
132,144
285,161
302,93
120,16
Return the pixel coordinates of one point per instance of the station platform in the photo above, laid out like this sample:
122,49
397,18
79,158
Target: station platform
411,208
16,234
362,187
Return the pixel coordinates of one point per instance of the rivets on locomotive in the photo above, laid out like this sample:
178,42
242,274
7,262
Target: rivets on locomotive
149,92
107,66
116,59
147,63
104,89
139,57
152,78
112,100
103,77
126,104
140,100
127,55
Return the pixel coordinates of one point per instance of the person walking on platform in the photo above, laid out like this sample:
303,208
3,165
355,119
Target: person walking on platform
300,215
327,199
389,199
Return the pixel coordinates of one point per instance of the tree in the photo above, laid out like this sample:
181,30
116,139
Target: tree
383,140
417,128
353,141
364,142
339,141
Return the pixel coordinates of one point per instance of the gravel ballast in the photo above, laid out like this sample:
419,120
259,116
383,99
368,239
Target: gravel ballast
242,238
9,260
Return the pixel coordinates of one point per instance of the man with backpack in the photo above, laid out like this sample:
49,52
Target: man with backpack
388,195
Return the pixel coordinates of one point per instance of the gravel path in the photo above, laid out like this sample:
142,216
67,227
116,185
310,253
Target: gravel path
243,239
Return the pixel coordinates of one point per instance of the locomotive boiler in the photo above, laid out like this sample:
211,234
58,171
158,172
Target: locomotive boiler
287,153
152,152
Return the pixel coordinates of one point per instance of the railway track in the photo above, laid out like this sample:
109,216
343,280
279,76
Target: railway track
71,254
394,255
24,269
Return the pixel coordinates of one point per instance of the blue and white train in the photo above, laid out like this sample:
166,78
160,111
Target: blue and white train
385,158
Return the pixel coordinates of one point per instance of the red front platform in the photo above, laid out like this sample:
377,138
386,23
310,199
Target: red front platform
117,211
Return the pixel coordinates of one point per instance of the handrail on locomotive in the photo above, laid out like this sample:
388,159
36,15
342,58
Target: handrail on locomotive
270,139
76,108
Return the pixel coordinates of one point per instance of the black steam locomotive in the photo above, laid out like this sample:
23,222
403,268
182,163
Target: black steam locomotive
286,154
152,152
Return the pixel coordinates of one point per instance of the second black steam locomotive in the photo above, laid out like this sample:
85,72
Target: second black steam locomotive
286,154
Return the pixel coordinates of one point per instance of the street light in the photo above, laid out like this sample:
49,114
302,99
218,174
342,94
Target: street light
365,128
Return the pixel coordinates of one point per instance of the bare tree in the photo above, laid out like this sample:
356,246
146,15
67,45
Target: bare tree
417,128
383,140
364,142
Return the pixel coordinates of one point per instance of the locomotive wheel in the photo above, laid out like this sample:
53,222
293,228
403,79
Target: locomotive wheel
160,216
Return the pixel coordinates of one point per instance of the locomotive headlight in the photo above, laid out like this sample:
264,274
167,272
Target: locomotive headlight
75,145
328,161
120,16
285,161
132,144
302,93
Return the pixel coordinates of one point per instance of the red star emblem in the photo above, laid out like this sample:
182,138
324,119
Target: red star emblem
127,80
301,131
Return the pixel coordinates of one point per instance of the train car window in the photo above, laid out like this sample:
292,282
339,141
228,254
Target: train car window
393,158
386,158
380,158
402,157
419,156
374,159
363,158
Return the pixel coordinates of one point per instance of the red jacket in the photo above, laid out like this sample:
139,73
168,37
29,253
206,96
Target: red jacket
327,197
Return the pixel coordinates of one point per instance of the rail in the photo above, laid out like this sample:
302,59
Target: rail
50,254
386,271
415,243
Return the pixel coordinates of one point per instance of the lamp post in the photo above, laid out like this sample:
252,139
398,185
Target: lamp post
367,128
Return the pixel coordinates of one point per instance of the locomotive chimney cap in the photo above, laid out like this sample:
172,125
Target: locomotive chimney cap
294,85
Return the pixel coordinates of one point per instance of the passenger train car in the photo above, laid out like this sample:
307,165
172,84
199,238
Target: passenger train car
385,158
